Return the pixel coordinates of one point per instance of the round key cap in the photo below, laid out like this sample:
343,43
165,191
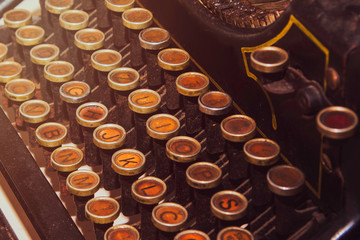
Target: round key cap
269,59
120,232
119,5
169,217
154,38
44,53
16,18
137,18
29,35
192,84
59,71
238,128
34,111
123,79
51,134
9,71
106,60
109,136
144,101
173,59
183,149
337,122
3,52
102,210
192,235
89,39
66,159
228,205
128,162
215,103
148,190
83,183
91,114
74,92
261,151
162,126
285,180
203,175
234,233
20,90
57,7
74,20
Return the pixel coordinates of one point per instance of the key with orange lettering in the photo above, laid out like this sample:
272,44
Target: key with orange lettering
102,211
122,232
234,233
15,19
89,116
103,61
117,8
162,127
8,72
183,151
152,40
50,136
148,192
215,105
88,40
129,164
191,85
65,160
237,129
173,61
109,138
18,91
82,184
191,234
34,112
169,218
205,178
74,93
136,19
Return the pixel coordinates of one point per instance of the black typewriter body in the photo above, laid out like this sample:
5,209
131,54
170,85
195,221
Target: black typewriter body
322,38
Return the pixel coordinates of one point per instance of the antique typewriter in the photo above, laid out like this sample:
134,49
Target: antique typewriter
182,119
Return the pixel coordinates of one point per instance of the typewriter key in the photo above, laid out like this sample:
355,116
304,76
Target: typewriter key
261,153
27,37
286,182
40,56
72,21
57,73
65,160
55,8
153,40
15,19
116,8
269,59
34,112
173,61
136,19
191,85
183,151
89,116
234,233
215,105
82,184
50,135
162,127
205,178
89,40
129,164
148,191
237,129
169,218
8,72
3,52
192,235
102,211
109,138
120,232
18,91
104,61
123,81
